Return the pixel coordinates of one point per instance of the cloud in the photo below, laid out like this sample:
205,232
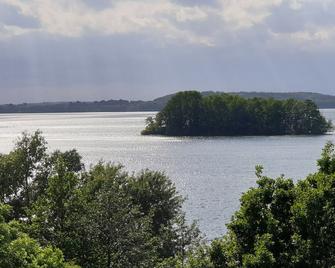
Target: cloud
9,15
146,48
246,13
77,18
196,22
303,24
311,39
8,31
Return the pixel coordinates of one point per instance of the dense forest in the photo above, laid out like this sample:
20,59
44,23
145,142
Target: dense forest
189,113
56,214
321,100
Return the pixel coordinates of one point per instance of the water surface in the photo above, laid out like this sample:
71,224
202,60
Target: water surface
211,172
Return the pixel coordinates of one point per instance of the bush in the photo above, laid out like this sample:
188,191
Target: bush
102,217
282,224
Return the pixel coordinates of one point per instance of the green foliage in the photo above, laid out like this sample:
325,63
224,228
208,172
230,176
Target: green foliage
71,160
199,258
314,221
155,194
281,224
191,114
262,256
119,234
21,171
25,171
18,250
327,162
217,254
53,210
102,217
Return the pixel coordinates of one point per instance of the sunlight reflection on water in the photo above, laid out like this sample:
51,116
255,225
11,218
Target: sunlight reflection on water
211,172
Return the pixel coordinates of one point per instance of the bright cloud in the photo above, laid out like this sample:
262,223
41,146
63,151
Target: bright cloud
246,13
169,20
75,18
7,31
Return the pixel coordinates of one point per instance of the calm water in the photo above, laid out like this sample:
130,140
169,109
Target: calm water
211,172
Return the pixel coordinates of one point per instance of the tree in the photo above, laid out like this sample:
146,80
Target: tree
120,234
71,160
50,212
314,221
327,162
102,217
282,224
25,171
18,250
181,115
190,113
157,197
21,170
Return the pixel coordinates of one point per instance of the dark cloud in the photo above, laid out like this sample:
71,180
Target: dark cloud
11,16
285,19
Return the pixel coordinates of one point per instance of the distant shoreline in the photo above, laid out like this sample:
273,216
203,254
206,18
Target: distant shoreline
322,101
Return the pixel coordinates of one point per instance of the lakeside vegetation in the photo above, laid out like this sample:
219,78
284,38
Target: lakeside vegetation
189,113
56,214
279,224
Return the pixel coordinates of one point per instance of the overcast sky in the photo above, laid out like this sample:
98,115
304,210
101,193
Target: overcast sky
141,49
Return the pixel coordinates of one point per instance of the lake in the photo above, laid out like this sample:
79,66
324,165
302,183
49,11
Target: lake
211,172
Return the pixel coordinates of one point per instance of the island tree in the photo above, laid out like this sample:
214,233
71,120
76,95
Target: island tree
191,114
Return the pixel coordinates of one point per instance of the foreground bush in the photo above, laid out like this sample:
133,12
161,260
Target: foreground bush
103,217
191,114
17,249
280,224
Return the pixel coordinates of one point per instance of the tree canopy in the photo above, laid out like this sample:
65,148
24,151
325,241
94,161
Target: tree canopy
17,249
189,113
52,210
55,213
279,224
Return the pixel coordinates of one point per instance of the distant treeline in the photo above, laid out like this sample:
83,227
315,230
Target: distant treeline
321,100
70,107
189,113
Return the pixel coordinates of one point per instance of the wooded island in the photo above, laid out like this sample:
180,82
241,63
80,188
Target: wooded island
189,113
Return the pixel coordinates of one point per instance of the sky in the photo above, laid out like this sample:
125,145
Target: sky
56,50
